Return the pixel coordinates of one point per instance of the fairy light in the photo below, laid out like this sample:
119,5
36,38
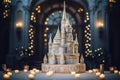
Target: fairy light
87,36
33,17
31,36
7,7
38,9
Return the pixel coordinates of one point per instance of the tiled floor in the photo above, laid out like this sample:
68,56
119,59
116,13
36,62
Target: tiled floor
42,76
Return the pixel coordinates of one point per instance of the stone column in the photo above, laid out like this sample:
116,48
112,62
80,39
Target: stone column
106,26
91,14
16,45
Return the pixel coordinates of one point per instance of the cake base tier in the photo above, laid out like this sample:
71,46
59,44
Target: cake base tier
66,68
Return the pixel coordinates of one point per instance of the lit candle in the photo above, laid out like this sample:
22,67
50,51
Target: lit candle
73,73
111,69
119,72
48,74
32,72
37,71
26,67
77,75
9,73
6,76
98,73
34,69
95,70
102,76
25,70
116,71
90,71
51,72
16,71
102,68
8,70
31,76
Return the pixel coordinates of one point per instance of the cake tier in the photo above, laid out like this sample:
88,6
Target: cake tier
69,58
57,68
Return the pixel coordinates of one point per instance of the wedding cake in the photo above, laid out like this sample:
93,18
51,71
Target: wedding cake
63,55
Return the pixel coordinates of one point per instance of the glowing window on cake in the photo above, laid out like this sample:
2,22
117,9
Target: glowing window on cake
55,18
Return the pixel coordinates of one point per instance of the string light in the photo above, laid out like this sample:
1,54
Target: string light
7,7
38,9
80,10
31,36
33,17
87,36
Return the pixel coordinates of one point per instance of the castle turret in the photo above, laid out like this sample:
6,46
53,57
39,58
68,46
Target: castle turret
76,45
45,59
76,40
82,59
57,37
56,42
62,59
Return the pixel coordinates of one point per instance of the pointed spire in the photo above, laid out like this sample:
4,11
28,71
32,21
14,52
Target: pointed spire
82,59
57,36
76,40
64,12
58,30
50,39
45,59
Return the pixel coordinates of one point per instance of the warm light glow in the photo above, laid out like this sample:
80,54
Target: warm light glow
47,28
26,67
73,73
95,70
25,70
32,72
99,24
119,72
50,73
85,21
45,23
45,40
111,69
102,76
90,71
45,35
47,19
98,73
86,13
16,71
9,73
77,75
80,10
6,76
112,1
31,76
19,25
116,71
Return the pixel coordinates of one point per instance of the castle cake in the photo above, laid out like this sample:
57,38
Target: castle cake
63,55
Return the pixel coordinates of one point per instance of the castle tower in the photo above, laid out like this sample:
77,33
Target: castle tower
56,42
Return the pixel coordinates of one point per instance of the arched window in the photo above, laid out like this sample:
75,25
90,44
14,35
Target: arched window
19,16
55,18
